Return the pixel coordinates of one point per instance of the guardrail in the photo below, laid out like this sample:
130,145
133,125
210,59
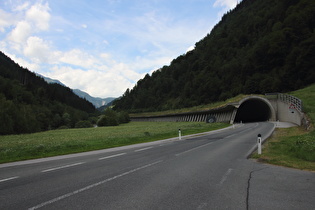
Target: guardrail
294,102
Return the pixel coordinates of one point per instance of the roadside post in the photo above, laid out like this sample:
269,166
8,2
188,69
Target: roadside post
179,134
259,144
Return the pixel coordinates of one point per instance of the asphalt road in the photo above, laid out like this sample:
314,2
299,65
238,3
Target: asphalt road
201,172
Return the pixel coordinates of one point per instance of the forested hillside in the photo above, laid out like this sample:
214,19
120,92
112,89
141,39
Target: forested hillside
260,46
29,104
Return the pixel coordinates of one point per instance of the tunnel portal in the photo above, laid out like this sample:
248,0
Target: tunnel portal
253,110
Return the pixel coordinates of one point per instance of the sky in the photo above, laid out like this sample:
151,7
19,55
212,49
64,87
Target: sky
103,47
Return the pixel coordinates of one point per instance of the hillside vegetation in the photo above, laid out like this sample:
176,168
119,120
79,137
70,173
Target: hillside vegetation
29,104
260,46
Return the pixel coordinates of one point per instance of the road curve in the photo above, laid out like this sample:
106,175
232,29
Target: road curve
202,172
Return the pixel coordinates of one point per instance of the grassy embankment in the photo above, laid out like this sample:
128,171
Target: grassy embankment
215,105
293,147
59,142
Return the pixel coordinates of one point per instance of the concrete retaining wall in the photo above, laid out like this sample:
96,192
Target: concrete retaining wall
283,107
189,117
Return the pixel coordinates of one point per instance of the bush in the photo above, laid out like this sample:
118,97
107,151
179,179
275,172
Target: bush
103,121
113,121
83,124
112,118
63,127
123,117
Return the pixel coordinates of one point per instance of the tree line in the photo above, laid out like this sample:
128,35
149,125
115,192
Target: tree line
260,46
29,104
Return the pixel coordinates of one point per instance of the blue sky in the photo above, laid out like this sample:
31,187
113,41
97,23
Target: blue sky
103,47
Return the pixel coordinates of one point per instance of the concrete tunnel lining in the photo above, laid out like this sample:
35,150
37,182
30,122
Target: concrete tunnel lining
254,109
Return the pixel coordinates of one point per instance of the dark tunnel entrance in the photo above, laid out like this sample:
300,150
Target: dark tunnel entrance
253,110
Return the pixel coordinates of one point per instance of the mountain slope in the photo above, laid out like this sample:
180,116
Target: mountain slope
29,104
260,46
96,101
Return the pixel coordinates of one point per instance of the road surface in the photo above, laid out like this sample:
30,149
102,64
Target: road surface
202,172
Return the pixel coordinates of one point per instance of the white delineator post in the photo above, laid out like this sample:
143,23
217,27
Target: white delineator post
179,134
259,144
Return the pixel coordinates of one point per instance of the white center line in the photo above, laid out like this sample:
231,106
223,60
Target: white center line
61,167
92,186
193,149
143,149
7,179
112,156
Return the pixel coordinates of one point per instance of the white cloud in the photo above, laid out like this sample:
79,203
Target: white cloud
26,22
79,58
21,32
6,20
22,7
39,15
38,50
229,4
190,49
96,83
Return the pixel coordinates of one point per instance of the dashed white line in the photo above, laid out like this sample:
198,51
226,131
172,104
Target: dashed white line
193,149
8,179
111,156
230,136
92,186
225,176
143,149
62,167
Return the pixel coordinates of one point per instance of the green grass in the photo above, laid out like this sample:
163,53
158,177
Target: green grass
307,95
291,147
60,142
294,147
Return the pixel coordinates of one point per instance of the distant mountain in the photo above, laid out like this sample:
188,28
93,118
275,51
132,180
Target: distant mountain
104,107
260,46
51,81
96,101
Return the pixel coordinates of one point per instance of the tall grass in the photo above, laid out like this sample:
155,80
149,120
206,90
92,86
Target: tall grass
59,142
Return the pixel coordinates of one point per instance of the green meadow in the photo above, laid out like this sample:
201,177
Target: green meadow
67,141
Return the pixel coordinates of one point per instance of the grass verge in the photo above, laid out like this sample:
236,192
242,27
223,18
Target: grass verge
60,142
293,147
290,147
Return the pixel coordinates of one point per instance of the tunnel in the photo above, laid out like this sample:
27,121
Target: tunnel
253,110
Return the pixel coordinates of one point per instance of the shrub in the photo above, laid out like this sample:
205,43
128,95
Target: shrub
103,121
83,124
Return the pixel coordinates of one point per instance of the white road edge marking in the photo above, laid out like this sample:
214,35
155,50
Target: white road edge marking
7,179
143,149
61,167
178,154
226,175
92,186
103,158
